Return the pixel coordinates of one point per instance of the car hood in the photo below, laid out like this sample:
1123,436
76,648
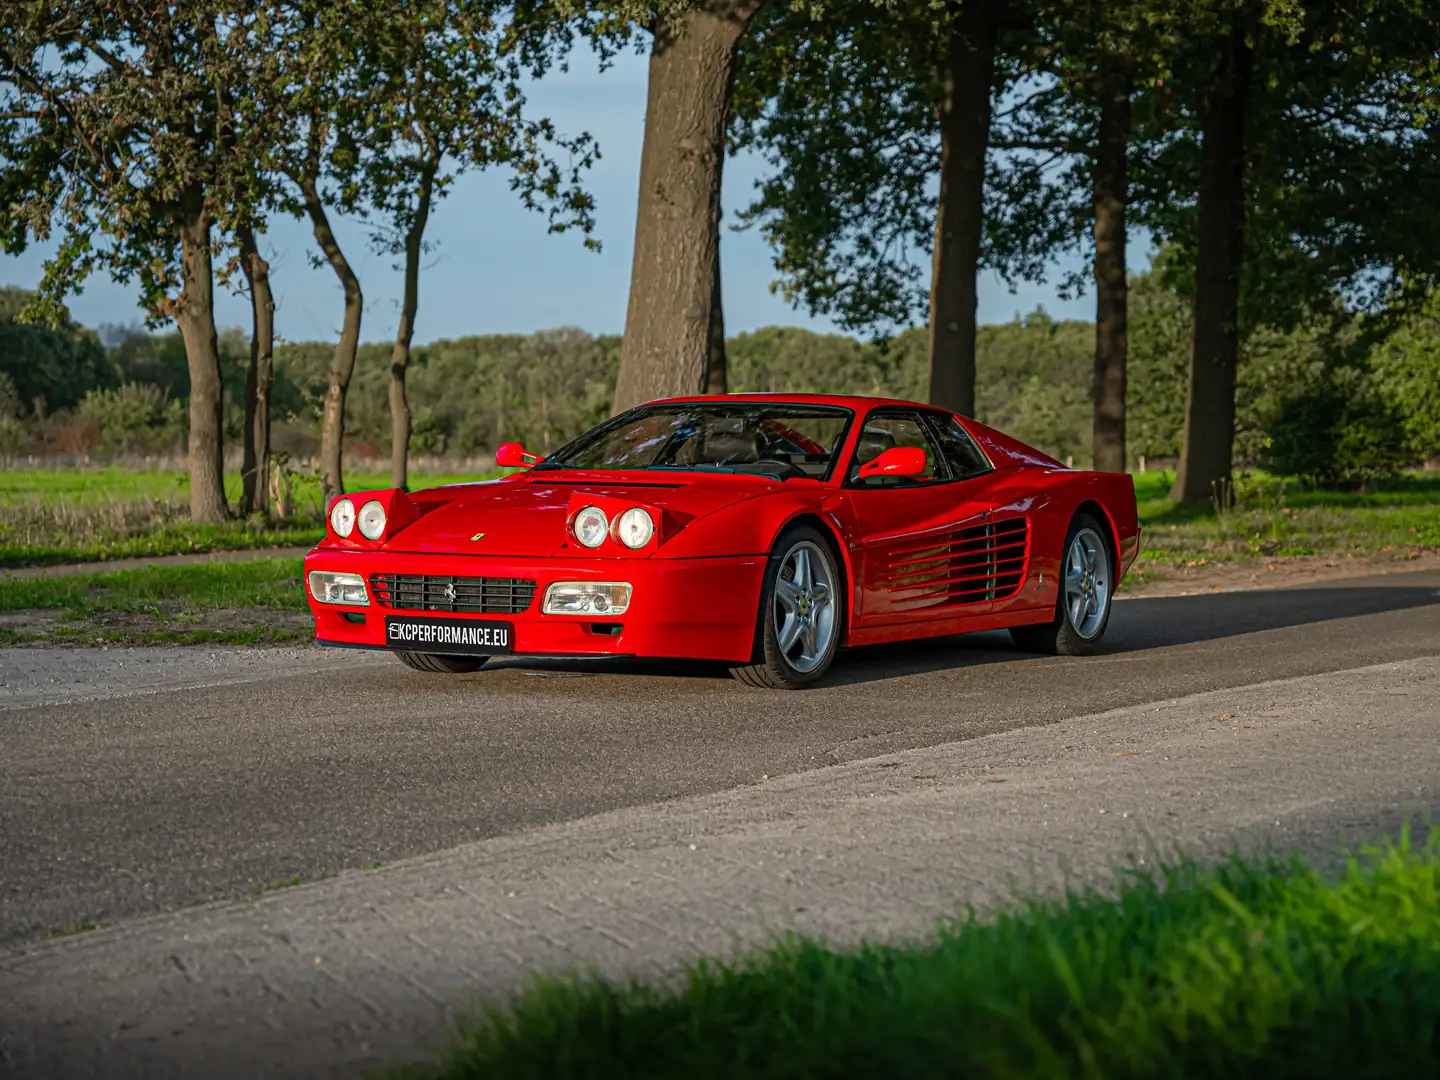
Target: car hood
526,515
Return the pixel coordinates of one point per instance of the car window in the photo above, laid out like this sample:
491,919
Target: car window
961,451
885,431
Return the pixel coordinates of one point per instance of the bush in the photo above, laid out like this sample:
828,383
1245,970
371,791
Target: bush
1338,432
135,418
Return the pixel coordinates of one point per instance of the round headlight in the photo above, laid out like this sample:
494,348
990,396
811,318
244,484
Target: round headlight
634,528
591,526
372,520
342,518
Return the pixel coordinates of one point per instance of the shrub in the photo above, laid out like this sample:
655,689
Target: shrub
135,418
1339,431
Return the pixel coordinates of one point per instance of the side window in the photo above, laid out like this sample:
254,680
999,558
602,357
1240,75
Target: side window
961,453
883,432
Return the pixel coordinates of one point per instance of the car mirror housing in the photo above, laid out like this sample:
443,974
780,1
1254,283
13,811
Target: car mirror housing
897,461
512,455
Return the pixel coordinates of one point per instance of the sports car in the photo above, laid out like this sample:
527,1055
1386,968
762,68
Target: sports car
766,532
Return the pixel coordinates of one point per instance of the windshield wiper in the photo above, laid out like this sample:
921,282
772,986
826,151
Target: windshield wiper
703,467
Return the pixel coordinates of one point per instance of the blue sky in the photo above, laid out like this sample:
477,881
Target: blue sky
496,270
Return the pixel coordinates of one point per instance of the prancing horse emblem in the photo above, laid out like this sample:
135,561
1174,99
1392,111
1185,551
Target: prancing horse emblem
477,536
450,591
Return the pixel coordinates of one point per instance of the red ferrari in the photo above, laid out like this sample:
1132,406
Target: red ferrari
763,531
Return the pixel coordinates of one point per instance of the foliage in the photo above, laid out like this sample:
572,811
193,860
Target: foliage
42,369
134,418
1254,968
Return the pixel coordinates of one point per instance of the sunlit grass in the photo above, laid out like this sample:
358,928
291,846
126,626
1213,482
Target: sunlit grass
1254,969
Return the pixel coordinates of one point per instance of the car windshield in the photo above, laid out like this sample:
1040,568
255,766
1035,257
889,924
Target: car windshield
774,439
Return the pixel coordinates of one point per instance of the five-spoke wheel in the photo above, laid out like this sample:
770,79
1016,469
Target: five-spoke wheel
1087,583
801,609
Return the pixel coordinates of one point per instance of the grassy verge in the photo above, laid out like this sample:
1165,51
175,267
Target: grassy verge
1253,970
1272,519
235,603
49,517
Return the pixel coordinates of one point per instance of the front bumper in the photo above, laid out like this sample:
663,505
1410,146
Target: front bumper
700,609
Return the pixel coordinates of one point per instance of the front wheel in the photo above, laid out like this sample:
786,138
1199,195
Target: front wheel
1082,611
801,612
444,665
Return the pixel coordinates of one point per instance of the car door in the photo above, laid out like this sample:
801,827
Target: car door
922,540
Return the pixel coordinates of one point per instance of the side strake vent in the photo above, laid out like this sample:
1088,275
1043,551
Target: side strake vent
967,566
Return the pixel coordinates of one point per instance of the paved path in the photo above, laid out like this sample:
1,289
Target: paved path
581,795
370,967
110,565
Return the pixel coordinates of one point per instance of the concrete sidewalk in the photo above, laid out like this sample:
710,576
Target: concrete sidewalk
371,967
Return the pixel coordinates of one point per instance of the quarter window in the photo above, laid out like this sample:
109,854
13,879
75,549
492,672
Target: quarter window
964,457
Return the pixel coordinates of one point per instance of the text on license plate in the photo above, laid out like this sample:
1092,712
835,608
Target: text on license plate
448,635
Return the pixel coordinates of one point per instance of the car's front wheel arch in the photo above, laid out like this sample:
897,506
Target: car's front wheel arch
838,552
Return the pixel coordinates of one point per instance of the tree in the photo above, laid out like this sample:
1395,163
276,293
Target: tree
1312,127
869,106
444,96
109,128
674,271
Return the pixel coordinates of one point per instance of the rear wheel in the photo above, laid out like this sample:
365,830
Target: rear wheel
444,665
801,607
1082,611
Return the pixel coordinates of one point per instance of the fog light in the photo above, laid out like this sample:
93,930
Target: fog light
332,588
587,598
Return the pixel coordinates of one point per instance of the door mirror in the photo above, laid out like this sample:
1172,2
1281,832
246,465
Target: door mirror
512,455
897,461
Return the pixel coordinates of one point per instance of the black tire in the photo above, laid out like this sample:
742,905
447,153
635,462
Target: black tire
443,665
1060,637
770,667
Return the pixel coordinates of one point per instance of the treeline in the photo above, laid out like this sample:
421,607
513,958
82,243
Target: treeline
1329,401
1284,154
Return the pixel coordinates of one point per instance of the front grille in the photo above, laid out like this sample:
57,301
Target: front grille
967,566
442,592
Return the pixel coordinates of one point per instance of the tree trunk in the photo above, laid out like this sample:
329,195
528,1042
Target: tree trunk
672,276
717,367
255,481
342,366
400,355
195,314
1208,445
967,73
1111,192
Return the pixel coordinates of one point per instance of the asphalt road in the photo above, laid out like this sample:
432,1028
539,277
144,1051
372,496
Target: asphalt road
126,805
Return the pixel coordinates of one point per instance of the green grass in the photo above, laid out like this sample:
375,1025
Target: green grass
1254,969
49,517
242,603
114,484
1269,520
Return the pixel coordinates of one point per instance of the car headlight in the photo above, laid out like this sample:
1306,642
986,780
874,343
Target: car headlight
331,588
587,598
634,528
372,520
342,518
590,526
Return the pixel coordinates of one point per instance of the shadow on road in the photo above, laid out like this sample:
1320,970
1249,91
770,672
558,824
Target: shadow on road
1135,626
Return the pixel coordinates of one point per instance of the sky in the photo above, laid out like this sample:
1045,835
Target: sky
494,268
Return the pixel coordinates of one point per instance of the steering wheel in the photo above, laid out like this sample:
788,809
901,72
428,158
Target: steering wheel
788,469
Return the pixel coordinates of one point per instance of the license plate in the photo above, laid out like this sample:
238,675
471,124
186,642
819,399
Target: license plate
473,636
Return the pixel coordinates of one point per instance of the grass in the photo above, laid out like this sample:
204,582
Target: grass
49,517
1276,519
1254,969
243,603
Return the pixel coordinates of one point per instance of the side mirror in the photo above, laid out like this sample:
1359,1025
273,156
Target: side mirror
897,461
512,455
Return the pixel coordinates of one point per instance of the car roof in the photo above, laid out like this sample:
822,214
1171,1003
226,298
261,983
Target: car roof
858,402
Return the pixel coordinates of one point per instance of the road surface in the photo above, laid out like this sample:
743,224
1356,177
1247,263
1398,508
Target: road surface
126,800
